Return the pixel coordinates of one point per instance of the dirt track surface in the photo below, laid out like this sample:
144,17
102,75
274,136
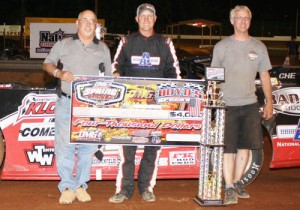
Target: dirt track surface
273,189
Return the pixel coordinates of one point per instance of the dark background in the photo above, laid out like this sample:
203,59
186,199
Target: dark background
270,17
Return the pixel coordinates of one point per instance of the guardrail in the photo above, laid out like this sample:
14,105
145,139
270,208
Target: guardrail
29,72
218,37
32,65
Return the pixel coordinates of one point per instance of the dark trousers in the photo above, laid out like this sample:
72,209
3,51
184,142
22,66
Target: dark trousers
147,172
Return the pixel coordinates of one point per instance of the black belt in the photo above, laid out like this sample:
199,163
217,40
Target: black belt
65,95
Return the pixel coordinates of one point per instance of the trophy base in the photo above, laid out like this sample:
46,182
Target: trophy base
202,202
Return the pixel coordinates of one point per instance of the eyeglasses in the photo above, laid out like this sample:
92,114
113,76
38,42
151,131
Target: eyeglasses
242,18
86,21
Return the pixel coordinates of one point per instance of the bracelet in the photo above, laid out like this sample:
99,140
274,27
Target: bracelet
55,72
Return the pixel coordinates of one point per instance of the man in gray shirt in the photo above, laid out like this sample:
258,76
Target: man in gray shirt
242,56
81,54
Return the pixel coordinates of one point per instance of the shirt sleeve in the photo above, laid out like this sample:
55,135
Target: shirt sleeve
172,66
216,61
107,61
54,54
118,64
265,64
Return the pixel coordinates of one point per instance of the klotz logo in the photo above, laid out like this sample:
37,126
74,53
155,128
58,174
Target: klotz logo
41,154
37,106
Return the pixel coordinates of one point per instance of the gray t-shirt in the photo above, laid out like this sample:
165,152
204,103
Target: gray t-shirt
92,59
241,60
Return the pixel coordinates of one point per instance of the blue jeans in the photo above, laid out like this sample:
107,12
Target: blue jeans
65,152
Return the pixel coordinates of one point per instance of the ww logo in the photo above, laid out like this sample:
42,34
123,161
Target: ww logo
41,155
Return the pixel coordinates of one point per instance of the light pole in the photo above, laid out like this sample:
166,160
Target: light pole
4,38
297,17
96,7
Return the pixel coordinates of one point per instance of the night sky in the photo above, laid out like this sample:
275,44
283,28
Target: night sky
119,14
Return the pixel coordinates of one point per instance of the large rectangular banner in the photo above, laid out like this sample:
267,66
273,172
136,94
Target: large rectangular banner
44,36
137,111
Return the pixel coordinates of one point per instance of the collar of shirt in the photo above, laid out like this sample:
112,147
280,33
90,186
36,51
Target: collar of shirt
144,37
95,40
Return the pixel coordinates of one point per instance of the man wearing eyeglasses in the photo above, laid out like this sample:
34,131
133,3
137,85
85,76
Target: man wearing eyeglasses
142,54
81,54
242,56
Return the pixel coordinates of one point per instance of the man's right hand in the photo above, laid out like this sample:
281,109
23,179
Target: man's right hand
117,74
66,76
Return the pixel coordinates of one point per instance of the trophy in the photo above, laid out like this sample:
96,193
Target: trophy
213,76
215,94
211,146
211,158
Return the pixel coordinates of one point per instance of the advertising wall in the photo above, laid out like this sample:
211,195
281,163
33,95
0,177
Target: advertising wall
44,36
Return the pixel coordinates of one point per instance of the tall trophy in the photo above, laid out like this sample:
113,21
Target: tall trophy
212,143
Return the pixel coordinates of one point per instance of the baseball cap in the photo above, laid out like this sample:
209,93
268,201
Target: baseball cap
145,6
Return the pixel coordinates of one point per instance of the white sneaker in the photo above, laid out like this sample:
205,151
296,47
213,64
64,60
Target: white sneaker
67,196
82,195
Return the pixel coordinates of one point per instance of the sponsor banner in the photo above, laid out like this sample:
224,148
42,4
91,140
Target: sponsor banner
44,36
45,21
136,111
10,30
287,101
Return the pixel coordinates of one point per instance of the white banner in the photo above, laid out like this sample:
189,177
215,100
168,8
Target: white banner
44,35
10,30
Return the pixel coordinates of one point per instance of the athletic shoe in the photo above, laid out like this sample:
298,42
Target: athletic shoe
67,196
241,192
117,198
148,196
82,195
230,196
